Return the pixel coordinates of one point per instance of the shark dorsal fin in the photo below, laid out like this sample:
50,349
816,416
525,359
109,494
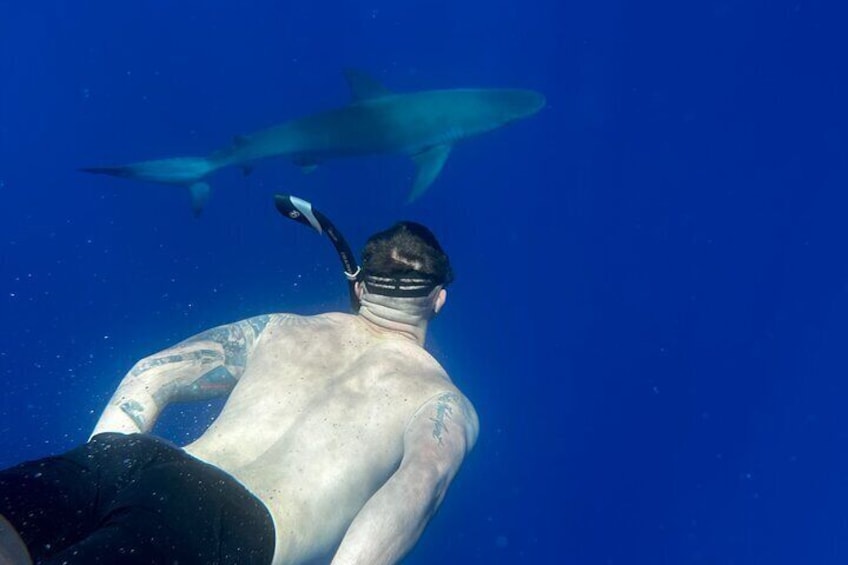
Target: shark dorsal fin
363,86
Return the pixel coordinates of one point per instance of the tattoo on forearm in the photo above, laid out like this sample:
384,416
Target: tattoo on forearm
135,411
201,356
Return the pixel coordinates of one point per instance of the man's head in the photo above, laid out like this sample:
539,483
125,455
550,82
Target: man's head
405,261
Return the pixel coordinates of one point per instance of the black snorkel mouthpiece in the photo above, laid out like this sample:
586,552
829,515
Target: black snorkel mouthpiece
304,213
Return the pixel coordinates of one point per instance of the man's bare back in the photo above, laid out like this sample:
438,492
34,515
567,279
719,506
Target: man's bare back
317,420
326,401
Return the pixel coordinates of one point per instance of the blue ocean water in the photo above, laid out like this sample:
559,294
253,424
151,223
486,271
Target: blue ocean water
650,304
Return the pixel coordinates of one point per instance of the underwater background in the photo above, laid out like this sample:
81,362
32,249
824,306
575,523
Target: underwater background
651,305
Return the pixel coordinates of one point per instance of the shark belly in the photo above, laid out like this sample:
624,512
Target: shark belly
355,130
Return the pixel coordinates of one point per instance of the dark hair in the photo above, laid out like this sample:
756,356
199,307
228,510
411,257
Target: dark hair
406,248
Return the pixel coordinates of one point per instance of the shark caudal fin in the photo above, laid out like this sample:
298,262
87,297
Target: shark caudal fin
181,171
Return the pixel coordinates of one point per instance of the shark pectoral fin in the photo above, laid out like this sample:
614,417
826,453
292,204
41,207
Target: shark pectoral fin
199,195
430,163
364,87
305,163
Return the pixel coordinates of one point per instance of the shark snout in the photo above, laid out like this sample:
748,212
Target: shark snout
524,103
509,105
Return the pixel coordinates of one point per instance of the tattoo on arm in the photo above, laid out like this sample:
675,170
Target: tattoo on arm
208,385
444,411
201,367
200,357
258,324
135,410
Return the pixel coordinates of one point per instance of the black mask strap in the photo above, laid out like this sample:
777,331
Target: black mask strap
407,285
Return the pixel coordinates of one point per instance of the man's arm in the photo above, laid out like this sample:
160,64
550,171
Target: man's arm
202,367
435,443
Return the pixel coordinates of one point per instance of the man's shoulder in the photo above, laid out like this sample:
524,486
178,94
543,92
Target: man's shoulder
443,430
452,403
290,319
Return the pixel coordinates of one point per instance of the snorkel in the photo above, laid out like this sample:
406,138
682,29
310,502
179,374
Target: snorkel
304,213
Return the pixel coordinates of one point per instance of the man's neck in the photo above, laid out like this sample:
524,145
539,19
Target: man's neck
404,317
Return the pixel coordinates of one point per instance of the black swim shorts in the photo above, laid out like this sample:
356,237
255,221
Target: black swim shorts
134,499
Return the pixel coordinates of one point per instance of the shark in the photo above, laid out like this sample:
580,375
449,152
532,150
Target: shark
425,125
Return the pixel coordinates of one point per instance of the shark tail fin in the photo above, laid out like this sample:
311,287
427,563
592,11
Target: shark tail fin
179,171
